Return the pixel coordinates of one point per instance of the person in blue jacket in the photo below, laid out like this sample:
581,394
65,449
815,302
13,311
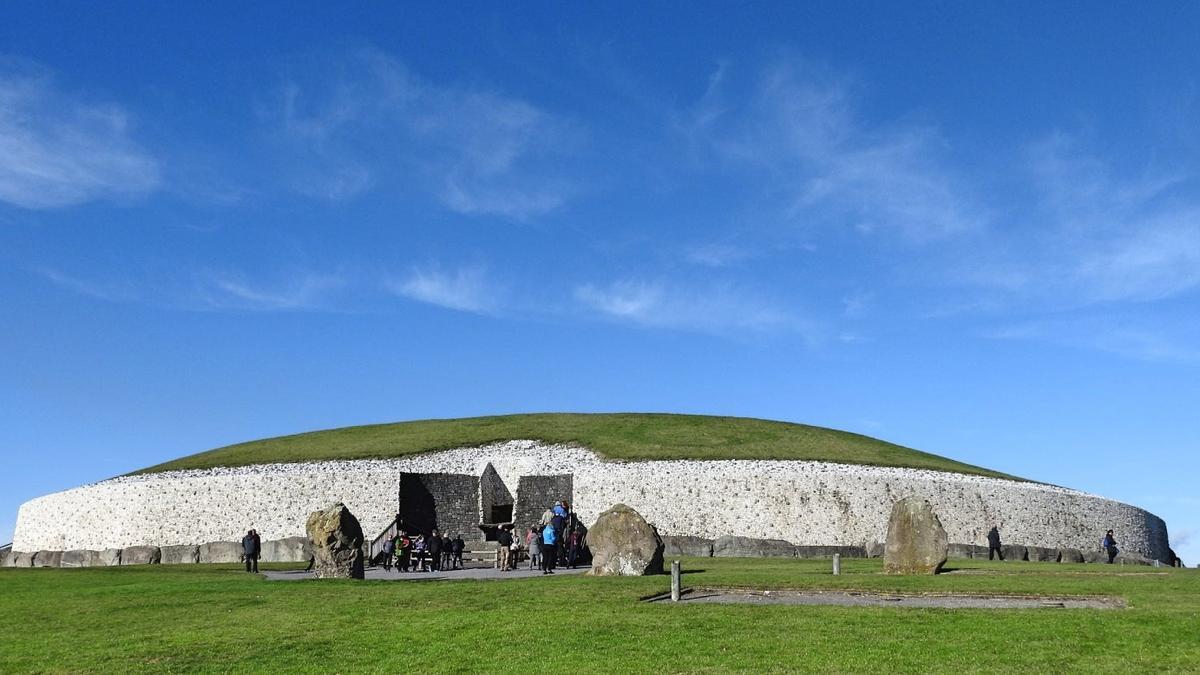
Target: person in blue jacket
549,549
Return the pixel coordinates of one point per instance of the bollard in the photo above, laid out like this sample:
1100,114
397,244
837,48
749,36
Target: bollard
837,564
674,581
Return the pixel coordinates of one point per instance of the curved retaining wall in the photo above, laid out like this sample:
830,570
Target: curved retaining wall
805,503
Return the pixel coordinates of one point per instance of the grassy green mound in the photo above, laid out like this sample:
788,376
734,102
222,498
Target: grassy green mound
626,436
209,618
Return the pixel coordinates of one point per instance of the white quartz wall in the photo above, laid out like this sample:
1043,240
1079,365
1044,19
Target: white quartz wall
806,503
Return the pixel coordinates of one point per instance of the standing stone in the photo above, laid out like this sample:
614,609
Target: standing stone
624,544
916,541
337,540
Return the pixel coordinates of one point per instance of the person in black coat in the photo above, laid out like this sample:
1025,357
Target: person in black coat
434,545
251,548
993,537
456,551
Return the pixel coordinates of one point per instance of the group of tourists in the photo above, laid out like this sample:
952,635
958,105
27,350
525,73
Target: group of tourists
557,540
421,553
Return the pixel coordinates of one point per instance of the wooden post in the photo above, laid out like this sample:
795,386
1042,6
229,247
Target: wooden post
674,581
837,564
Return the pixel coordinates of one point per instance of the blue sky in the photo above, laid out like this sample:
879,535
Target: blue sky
972,230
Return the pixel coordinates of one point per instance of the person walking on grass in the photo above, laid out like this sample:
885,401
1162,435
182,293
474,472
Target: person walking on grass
993,537
251,547
1109,544
549,550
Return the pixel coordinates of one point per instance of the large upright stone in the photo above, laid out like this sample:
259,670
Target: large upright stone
336,539
916,541
624,544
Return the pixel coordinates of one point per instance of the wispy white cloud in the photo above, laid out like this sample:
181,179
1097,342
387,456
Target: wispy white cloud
377,124
108,291
59,149
235,291
799,124
1145,338
466,289
716,254
717,309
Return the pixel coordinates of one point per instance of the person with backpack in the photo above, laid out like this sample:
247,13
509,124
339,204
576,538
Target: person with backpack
549,552
1109,544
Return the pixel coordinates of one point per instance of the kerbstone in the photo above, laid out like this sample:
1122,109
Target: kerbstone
110,557
5,556
221,552
180,555
1014,552
1042,554
291,549
821,552
916,541
1070,555
81,558
140,555
337,539
968,551
750,547
22,559
624,544
687,546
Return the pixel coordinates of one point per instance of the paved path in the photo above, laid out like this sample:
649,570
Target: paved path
469,573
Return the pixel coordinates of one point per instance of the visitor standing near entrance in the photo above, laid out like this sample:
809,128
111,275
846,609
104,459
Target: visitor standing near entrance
574,544
533,541
456,548
251,547
403,551
993,537
549,552
389,548
419,553
447,551
504,541
434,544
1109,544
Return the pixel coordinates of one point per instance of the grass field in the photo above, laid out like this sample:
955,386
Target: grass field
616,436
216,618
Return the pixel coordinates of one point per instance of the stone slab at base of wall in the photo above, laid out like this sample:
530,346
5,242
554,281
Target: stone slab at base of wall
876,549
81,558
110,557
1014,552
749,547
1095,557
1131,559
140,555
817,552
697,547
47,559
180,555
21,559
291,549
967,551
221,552
1042,554
1070,555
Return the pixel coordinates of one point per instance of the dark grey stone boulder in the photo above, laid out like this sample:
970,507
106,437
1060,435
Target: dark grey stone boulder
1131,559
1041,554
110,557
623,544
5,556
184,554
916,540
748,547
1095,556
140,555
822,552
47,559
1070,555
81,558
1014,552
687,547
221,552
336,538
21,559
967,551
289,550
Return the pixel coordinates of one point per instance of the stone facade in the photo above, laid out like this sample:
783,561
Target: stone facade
447,501
804,503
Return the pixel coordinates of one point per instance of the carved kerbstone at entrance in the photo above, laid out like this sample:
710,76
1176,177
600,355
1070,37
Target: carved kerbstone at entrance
916,541
624,544
337,540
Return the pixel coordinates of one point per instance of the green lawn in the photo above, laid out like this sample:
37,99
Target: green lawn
616,436
216,618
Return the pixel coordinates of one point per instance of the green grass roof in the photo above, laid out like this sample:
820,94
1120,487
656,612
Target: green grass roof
627,436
